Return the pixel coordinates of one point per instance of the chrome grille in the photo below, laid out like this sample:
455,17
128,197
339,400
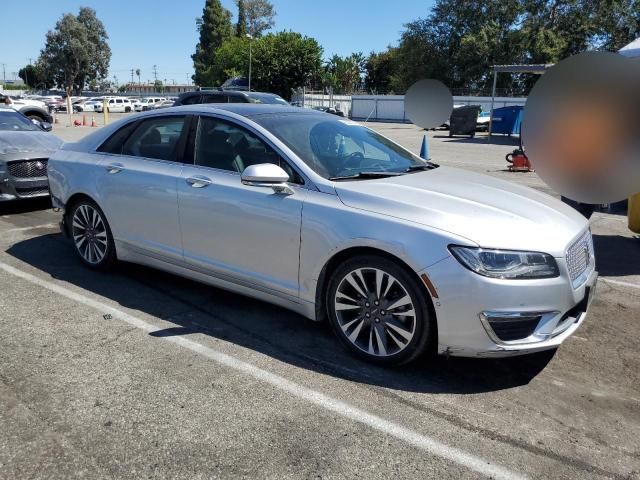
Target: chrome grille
28,168
579,257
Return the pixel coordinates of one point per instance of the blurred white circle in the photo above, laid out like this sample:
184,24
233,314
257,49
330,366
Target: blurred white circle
428,103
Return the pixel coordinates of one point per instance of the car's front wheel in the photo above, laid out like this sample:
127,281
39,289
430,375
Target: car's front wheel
378,310
91,235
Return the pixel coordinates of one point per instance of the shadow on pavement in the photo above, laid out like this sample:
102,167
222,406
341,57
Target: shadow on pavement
617,256
196,308
24,206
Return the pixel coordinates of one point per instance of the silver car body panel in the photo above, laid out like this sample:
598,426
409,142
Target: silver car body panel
274,246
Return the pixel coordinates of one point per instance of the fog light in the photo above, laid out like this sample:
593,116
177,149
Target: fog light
511,326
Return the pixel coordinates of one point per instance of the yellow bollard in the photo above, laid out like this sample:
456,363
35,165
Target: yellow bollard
105,112
633,214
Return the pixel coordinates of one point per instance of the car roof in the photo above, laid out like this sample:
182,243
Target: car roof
228,92
252,109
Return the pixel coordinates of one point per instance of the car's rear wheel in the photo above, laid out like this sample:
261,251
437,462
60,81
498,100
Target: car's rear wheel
91,235
378,310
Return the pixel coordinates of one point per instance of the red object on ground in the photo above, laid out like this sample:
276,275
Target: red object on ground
77,123
518,161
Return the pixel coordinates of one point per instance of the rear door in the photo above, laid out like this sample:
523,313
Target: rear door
137,179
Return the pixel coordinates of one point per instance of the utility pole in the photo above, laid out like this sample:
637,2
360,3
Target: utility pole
250,40
132,72
26,72
4,75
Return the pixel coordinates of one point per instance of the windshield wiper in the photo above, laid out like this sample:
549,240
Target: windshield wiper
367,175
419,168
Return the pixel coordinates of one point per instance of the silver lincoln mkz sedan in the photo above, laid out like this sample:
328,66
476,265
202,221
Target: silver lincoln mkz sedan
329,218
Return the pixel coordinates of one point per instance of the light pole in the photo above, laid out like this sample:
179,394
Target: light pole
250,39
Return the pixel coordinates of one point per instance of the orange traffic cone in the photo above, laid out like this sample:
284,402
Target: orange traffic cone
93,121
84,120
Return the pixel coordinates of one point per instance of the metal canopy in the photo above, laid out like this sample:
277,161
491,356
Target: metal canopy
538,69
535,69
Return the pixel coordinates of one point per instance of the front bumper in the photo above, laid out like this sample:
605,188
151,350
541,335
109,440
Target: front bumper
467,302
12,188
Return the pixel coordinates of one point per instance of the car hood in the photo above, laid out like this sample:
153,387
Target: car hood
17,145
490,212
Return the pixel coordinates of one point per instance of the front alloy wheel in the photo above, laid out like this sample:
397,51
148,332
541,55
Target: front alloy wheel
377,309
91,235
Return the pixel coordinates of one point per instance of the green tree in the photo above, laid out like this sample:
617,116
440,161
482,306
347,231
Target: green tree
76,51
380,68
281,61
214,27
33,76
343,74
241,25
260,14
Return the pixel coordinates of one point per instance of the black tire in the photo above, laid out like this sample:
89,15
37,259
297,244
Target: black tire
35,116
127,109
97,237
422,324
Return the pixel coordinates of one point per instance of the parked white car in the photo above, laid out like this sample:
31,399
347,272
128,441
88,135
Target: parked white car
148,103
136,104
117,105
89,105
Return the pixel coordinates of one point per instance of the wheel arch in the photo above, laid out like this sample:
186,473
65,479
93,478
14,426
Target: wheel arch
338,257
71,202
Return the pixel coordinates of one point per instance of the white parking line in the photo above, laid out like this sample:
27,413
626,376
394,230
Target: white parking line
314,397
24,229
618,282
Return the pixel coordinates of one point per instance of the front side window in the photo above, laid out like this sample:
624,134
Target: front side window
156,138
225,146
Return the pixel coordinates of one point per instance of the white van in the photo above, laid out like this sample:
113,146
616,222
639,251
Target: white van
148,103
117,105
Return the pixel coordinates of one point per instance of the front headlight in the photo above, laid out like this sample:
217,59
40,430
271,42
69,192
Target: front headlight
507,264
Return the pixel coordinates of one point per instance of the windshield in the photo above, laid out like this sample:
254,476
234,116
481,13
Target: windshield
337,147
268,99
14,121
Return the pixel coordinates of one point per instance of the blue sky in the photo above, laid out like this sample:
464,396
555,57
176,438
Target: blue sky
146,32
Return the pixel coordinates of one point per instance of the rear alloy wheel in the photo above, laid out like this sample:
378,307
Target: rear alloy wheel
377,309
91,235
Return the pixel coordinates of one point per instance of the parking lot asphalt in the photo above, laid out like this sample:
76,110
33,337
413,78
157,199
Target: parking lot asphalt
140,374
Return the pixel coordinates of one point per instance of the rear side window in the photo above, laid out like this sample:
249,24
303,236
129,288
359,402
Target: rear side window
115,141
190,100
236,99
216,98
156,138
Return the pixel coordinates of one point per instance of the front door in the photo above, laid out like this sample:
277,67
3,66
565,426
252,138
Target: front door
246,234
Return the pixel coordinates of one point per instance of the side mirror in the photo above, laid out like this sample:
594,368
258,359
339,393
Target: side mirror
46,126
267,175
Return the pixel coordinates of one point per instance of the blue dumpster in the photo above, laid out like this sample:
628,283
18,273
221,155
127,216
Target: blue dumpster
507,120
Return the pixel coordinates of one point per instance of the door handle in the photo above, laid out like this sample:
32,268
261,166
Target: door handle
199,181
114,168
